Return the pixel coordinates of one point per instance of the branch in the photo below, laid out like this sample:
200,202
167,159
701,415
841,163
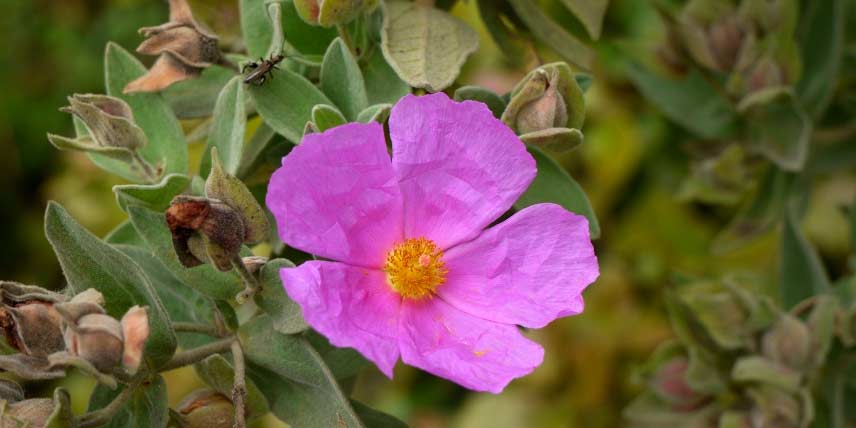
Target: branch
191,327
251,284
105,414
195,355
239,388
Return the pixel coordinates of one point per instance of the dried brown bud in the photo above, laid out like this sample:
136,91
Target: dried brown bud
210,221
96,338
206,408
185,48
254,263
28,413
135,329
29,320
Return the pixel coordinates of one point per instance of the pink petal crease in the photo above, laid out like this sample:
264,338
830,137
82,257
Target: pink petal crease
352,306
475,353
458,166
527,270
336,196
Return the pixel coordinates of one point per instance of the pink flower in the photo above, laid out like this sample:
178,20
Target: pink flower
416,274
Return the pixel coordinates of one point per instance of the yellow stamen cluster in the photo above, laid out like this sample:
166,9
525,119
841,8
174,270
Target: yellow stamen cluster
415,268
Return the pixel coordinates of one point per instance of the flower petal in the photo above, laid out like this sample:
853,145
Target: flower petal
528,270
351,306
459,167
336,196
473,352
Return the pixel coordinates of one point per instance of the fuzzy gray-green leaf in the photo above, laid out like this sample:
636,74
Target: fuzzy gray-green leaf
218,373
286,316
285,102
155,197
89,262
554,184
590,13
552,34
325,117
342,81
229,123
425,46
383,86
477,93
147,407
166,144
377,113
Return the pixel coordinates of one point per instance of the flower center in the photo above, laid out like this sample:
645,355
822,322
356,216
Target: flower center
415,268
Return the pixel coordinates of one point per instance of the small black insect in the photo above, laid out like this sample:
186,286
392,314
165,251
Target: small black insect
261,69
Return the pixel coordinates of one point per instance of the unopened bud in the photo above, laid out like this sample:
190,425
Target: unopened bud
775,408
328,13
185,48
725,38
97,338
206,408
548,97
135,331
764,74
788,342
669,383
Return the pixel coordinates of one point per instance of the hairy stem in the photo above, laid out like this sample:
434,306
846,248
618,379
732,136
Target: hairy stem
251,284
148,173
186,358
239,388
191,327
102,416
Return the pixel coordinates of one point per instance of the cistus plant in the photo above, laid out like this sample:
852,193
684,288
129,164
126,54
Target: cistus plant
280,287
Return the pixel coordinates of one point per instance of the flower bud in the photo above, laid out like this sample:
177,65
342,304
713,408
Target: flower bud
669,383
548,97
204,230
135,331
185,48
328,13
206,408
788,342
97,338
29,320
725,38
775,408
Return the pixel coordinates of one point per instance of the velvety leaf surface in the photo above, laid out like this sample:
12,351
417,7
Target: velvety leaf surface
227,128
147,407
218,373
155,197
342,81
285,314
285,102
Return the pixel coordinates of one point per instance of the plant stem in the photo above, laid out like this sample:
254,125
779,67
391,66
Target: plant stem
239,388
195,355
346,37
190,327
105,414
148,172
251,284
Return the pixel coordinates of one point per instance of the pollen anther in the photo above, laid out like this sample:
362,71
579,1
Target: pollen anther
415,268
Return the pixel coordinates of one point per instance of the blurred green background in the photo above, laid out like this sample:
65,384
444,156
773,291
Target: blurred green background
631,164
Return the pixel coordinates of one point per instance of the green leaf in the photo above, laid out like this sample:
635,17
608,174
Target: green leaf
778,126
801,273
376,419
821,46
325,117
61,417
155,197
166,145
383,86
256,29
286,316
759,369
590,13
227,130
425,46
552,34
287,118
342,81
260,140
759,215
377,113
690,102
91,263
147,406
182,303
229,189
124,234
85,144
305,392
205,278
554,184
218,373
556,139
195,98
477,93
